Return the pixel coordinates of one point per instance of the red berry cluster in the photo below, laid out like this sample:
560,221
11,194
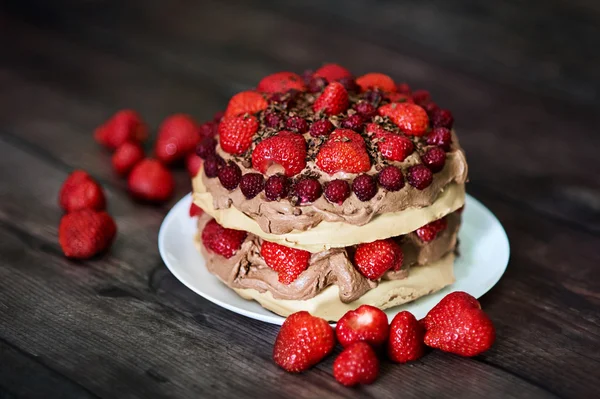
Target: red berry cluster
455,325
342,123
86,229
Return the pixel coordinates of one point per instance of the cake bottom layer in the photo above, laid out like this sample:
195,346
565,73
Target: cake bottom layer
421,281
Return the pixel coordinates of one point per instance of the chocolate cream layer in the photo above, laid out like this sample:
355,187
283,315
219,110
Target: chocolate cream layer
247,268
284,216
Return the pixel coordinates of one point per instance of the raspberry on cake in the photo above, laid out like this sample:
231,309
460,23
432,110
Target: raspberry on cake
324,192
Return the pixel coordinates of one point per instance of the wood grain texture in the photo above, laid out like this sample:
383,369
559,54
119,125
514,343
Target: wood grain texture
123,326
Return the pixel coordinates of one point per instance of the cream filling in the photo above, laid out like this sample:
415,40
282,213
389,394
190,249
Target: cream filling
421,281
328,235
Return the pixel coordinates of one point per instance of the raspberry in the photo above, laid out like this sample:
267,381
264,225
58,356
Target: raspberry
419,176
307,75
373,97
440,136
212,164
208,129
354,122
297,124
206,147
230,176
349,84
337,191
321,128
252,184
434,158
431,108
277,187
365,187
442,118
316,85
391,178
285,100
421,97
272,119
365,109
308,189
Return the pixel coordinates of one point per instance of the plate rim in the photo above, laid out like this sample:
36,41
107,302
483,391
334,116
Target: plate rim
274,318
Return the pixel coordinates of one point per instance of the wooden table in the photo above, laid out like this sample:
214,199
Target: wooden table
523,84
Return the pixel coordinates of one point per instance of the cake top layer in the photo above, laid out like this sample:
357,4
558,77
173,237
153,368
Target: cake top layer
328,146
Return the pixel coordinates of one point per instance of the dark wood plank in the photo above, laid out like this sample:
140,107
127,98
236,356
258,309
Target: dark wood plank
23,375
518,43
506,157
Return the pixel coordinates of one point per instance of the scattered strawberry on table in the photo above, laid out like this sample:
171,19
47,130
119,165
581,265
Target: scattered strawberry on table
86,229
457,324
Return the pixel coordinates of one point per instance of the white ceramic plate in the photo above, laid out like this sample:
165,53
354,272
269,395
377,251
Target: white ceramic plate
484,253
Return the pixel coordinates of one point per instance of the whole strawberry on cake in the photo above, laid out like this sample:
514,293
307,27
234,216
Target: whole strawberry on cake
326,191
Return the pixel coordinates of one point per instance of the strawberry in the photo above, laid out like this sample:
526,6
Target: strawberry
403,88
285,148
178,136
458,325
373,259
281,82
406,338
376,80
126,125
452,303
224,242
391,145
332,72
81,191
195,210
126,157
302,342
193,163
344,151
235,133
399,97
366,323
151,181
85,233
289,263
333,100
357,364
428,232
246,102
410,118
